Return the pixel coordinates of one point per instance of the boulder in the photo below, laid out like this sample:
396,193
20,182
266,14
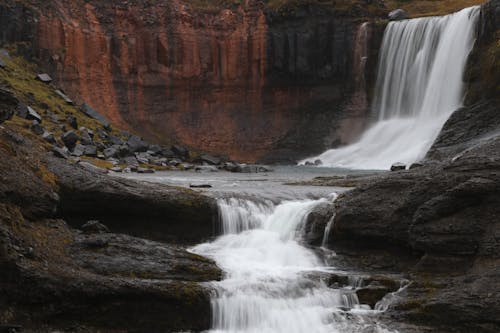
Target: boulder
316,223
168,153
180,151
49,137
90,112
85,137
72,121
70,139
102,134
44,77
398,15
78,150
27,112
143,157
155,150
131,162
137,144
230,166
112,151
37,128
145,170
94,227
8,105
398,166
209,159
114,140
59,152
90,150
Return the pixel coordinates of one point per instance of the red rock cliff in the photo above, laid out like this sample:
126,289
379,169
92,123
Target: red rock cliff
240,82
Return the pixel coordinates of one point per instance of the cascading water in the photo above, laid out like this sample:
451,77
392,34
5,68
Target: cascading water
270,285
419,85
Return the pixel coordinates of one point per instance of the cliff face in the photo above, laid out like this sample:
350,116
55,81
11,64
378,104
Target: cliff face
244,82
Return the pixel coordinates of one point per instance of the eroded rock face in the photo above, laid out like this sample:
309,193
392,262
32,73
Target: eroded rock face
243,82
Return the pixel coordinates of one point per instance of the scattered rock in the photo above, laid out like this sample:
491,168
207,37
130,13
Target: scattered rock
174,162
416,165
114,140
398,166
102,134
180,151
200,186
90,150
78,150
131,162
155,149
27,112
49,137
37,128
145,170
318,162
90,112
230,166
72,121
111,151
136,144
209,159
94,227
168,153
85,137
143,157
59,152
64,97
116,169
8,103
206,168
44,77
398,15
70,139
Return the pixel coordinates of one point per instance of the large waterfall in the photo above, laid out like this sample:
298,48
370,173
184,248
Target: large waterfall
273,282
419,85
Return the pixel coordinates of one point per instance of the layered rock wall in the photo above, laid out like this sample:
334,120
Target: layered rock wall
245,82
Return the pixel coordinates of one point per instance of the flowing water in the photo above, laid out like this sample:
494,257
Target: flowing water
419,85
273,281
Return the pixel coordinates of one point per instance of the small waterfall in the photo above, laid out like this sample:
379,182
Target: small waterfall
274,284
419,85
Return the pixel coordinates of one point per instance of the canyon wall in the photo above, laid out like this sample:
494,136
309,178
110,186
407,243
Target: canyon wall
246,82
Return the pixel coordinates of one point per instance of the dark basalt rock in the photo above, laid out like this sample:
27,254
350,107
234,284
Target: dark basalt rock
70,139
72,121
317,221
142,209
90,112
137,144
94,227
8,104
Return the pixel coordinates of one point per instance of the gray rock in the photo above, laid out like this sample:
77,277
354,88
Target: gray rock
316,222
37,128
54,118
114,140
209,159
168,153
230,166
143,157
180,151
137,144
186,166
206,168
94,227
59,152
398,166
111,151
102,134
145,170
155,149
49,137
66,99
200,186
44,77
116,169
91,167
72,121
90,150
92,113
174,162
131,162
398,15
318,162
85,137
416,165
70,139
27,112
78,150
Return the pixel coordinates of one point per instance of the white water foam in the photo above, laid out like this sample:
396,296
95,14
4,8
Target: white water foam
419,85
269,287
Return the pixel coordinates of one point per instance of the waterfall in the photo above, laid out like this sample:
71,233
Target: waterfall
273,283
419,85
